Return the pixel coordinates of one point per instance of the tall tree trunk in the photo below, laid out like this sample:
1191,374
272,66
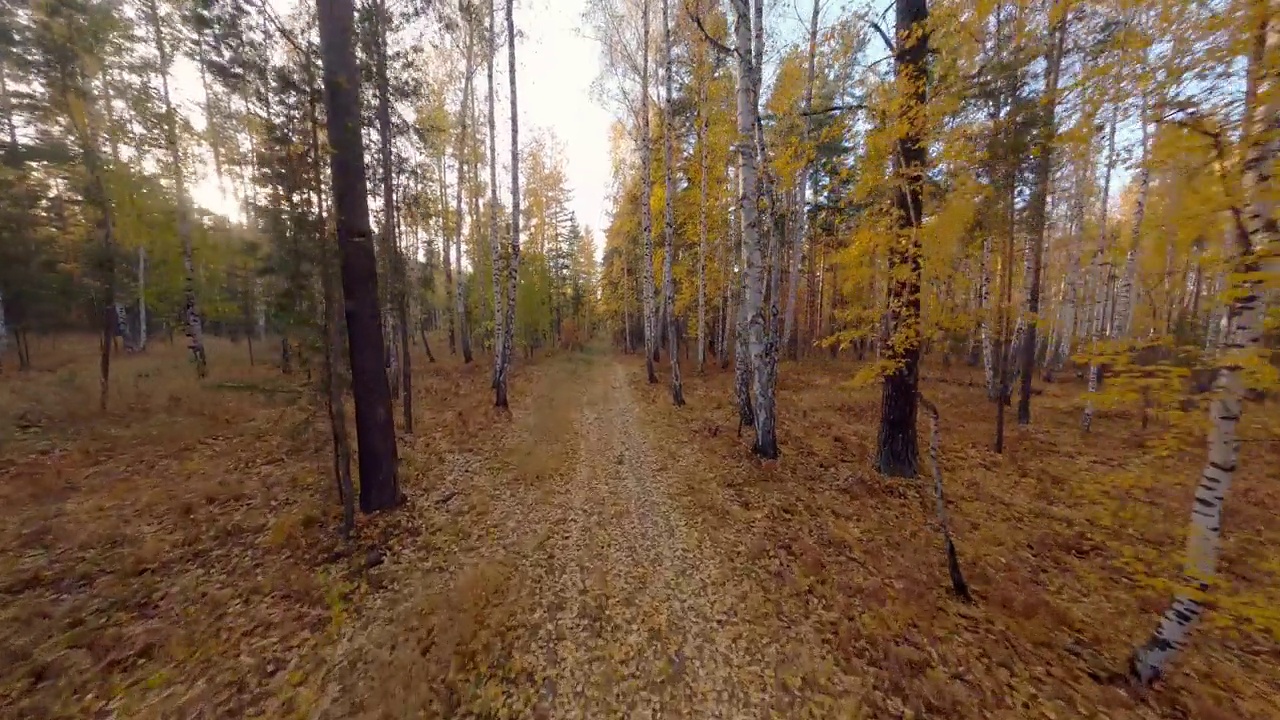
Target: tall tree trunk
727,320
1072,300
703,121
459,294
375,429
495,252
1124,294
754,327
1006,310
142,298
446,250
390,244
898,452
513,256
1100,324
789,338
646,212
669,222
766,370
984,316
332,297
190,311
1038,208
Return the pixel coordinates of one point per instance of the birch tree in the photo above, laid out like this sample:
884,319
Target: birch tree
390,244
459,294
1258,248
789,339
495,252
669,222
646,213
753,326
190,312
513,257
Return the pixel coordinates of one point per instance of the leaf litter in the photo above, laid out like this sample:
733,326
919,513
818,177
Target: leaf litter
598,553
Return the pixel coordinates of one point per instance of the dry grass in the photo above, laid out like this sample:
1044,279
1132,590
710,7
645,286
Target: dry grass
1070,543
177,556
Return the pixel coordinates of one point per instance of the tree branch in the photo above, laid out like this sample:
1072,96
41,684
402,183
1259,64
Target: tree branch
833,109
883,35
715,44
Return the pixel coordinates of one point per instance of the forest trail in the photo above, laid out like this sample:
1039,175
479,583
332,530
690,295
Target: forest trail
587,573
638,622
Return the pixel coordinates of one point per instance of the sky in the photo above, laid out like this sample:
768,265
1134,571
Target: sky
556,65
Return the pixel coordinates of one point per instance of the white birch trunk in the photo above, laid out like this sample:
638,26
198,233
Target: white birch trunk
495,252
1124,294
1243,338
748,207
190,312
513,256
1101,324
646,211
984,310
460,291
1260,252
669,223
1072,289
802,192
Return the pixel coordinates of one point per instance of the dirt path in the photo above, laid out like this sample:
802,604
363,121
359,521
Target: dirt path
635,623
578,591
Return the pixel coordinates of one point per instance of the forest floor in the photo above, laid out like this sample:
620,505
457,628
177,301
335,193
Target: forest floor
598,553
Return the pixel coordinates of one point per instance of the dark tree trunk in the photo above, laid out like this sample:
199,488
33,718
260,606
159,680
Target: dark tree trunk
375,429
1038,217
426,346
898,453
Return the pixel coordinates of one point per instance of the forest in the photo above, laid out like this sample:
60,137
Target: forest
914,359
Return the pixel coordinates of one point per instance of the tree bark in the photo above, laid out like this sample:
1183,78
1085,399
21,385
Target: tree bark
513,258
459,294
898,452
495,251
789,338
1124,295
142,298
1260,247
1100,324
190,312
703,121
754,326
375,429
669,222
646,212
390,244
1038,211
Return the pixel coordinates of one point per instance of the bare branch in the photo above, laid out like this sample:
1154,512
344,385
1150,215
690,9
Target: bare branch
888,43
834,109
715,44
